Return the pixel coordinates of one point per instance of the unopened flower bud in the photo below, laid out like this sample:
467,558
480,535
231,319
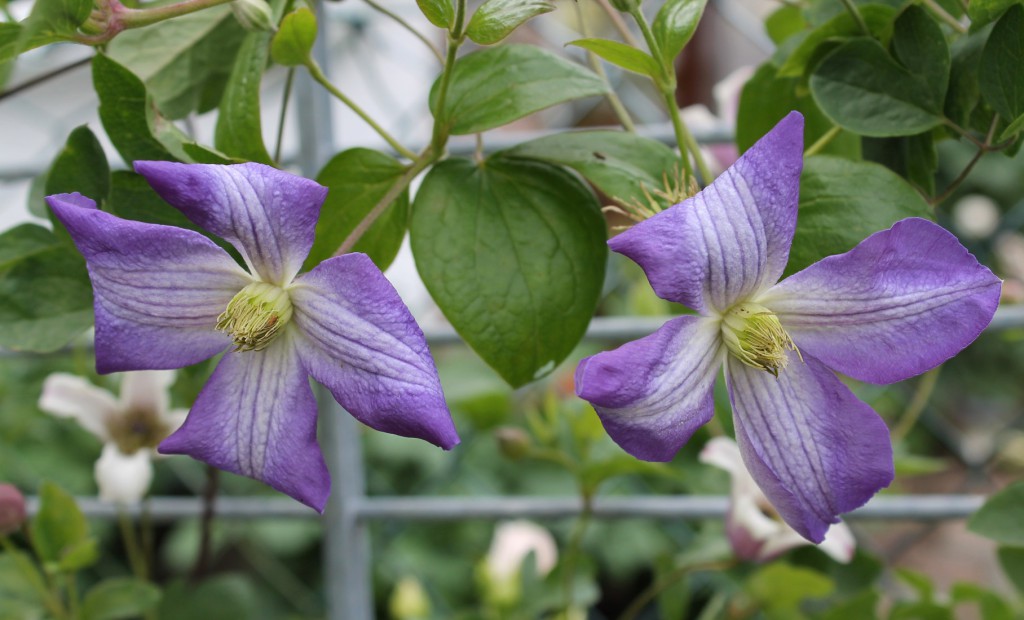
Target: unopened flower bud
513,442
253,14
12,509
409,600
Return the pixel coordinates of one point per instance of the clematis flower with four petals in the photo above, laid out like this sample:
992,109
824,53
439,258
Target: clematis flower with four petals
167,297
130,427
901,302
755,532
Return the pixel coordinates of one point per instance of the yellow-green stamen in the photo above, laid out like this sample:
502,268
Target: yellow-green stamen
255,316
754,335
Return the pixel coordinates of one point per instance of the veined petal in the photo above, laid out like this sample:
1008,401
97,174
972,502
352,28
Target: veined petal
123,478
256,417
267,214
146,390
158,289
359,339
815,450
732,239
70,396
900,303
652,394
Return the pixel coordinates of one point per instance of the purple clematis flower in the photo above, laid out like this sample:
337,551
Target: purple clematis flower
901,302
166,297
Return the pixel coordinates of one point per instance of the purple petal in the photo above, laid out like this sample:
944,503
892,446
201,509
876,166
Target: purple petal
158,289
359,340
901,302
732,239
814,449
652,394
268,215
256,416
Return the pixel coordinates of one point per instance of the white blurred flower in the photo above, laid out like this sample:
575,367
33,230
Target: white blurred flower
130,427
512,542
754,532
976,216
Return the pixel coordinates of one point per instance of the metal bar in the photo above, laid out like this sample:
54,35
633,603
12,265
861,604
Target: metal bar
456,508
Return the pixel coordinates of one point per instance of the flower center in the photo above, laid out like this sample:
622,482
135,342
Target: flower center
255,316
136,430
754,335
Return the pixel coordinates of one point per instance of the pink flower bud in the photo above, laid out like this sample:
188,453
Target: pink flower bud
12,509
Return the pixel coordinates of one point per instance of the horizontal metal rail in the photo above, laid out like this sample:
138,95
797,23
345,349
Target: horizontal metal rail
930,507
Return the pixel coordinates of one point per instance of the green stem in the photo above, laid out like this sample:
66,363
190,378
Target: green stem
137,18
923,393
652,591
318,75
419,164
595,64
983,147
407,26
71,583
619,23
455,39
855,12
575,547
823,141
686,141
284,113
31,573
944,16
131,545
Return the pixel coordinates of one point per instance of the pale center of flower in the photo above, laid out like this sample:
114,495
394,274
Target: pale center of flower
256,315
754,335
137,429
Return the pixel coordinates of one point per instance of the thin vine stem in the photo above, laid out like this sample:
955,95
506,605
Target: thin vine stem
619,23
574,548
404,24
941,13
206,524
857,17
318,75
823,141
131,545
922,394
137,18
595,64
285,99
455,39
983,147
652,591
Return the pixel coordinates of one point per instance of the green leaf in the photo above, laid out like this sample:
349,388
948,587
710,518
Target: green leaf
622,55
185,62
45,296
999,519
59,528
1001,74
842,202
497,85
862,89
23,242
964,93
50,21
781,587
785,22
514,253
20,584
118,598
1013,128
991,606
358,179
80,555
126,111
220,596
919,44
863,605
294,40
912,157
81,166
10,36
239,131
1012,561
496,19
878,18
984,12
767,99
618,163
441,13
674,25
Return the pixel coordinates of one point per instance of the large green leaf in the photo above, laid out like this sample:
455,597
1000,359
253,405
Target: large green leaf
514,253
964,92
919,44
1000,517
984,12
496,19
674,25
622,55
358,179
497,85
50,21
842,202
81,167
59,530
912,157
186,61
618,163
1001,74
239,131
878,19
781,588
119,598
1012,561
767,99
862,89
45,296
